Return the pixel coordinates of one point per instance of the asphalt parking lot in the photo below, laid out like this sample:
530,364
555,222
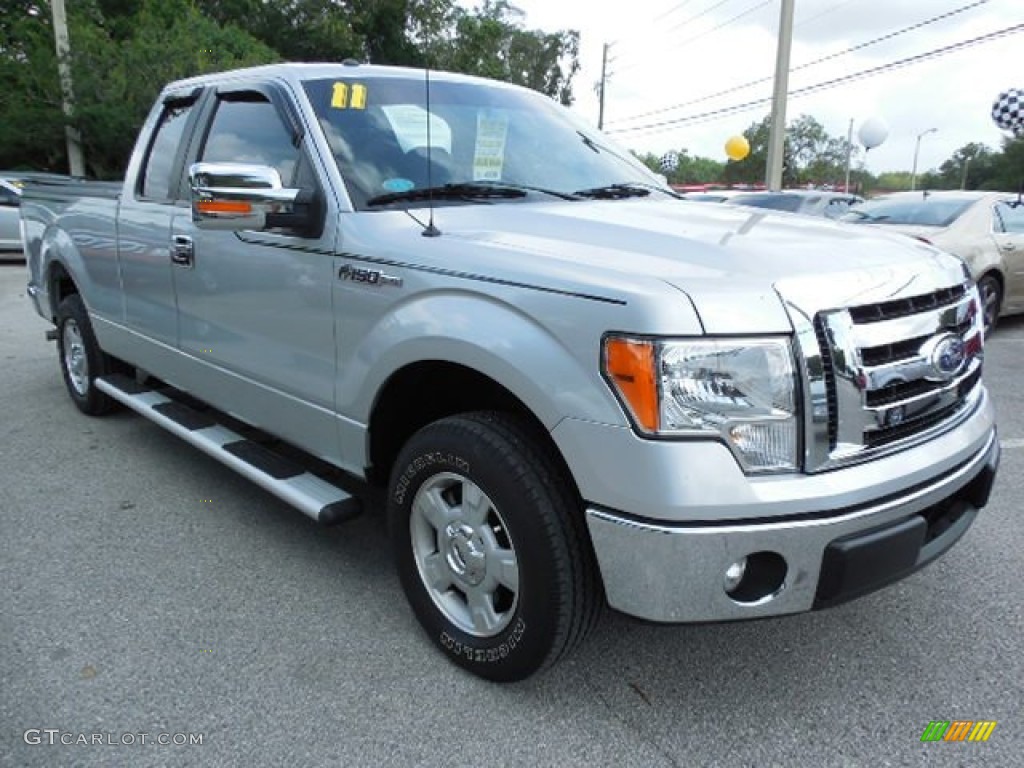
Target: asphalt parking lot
146,589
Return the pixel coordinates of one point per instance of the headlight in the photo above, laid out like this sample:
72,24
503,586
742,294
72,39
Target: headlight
743,390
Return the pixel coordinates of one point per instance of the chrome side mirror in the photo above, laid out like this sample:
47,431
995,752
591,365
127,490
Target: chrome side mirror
236,196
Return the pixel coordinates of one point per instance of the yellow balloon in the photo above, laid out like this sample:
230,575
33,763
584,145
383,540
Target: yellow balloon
737,147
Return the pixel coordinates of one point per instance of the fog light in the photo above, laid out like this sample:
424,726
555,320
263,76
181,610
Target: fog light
734,574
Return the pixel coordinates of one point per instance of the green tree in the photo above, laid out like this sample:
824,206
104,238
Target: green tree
1008,167
893,181
491,41
970,166
125,51
689,170
115,79
302,30
751,169
31,122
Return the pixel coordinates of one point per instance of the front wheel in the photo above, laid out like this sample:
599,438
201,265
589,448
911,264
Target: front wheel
490,547
81,359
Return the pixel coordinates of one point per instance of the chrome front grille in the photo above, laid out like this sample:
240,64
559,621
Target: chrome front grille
885,375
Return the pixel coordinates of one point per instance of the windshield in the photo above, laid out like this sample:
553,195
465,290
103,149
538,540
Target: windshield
479,134
916,210
789,203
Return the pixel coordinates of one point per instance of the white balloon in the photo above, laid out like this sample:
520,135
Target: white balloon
873,132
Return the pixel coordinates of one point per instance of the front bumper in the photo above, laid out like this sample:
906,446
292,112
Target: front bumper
672,572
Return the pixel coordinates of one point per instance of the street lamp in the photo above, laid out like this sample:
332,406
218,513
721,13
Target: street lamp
917,148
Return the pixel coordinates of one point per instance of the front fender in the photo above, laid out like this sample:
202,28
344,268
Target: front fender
552,370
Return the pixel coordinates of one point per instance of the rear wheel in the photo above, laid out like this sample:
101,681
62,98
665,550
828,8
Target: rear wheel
991,293
81,359
490,546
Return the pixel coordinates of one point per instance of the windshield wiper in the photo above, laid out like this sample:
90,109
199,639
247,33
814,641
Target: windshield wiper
460,191
529,188
616,191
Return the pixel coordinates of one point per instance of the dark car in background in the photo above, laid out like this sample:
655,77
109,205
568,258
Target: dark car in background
809,202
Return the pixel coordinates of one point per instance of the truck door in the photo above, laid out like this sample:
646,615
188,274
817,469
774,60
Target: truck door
144,224
255,307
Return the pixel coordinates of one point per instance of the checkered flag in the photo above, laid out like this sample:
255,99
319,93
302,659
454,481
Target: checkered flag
1008,111
669,162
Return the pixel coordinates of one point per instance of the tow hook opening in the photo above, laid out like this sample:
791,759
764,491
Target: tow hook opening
756,578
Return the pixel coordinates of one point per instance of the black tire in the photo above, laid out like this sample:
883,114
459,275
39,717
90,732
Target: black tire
991,292
81,359
529,509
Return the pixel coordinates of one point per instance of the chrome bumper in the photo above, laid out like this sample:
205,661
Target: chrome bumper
676,573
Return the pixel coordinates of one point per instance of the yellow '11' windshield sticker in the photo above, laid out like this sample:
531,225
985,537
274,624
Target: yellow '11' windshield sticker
345,96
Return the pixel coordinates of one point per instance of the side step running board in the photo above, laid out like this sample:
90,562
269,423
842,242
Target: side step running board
287,480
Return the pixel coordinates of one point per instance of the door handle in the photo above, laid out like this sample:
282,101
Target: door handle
1009,247
182,250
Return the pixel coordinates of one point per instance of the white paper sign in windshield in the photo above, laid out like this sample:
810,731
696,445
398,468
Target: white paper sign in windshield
489,154
409,122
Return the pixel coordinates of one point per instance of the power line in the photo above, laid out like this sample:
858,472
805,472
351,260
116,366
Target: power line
714,29
827,11
827,84
851,49
677,7
733,20
700,15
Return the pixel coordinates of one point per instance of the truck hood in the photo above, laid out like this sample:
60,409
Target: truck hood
722,257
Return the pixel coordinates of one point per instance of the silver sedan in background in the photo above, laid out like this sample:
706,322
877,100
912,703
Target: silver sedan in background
10,227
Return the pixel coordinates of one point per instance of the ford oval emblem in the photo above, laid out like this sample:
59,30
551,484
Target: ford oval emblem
948,356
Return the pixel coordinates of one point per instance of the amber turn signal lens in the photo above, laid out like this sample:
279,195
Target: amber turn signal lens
224,206
629,364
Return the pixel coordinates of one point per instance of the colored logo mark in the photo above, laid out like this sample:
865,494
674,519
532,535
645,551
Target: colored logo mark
958,730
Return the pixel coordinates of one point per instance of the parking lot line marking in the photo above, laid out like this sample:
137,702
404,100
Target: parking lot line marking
1012,442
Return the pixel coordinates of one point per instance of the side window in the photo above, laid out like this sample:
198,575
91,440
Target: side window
837,207
1009,218
156,178
250,131
9,198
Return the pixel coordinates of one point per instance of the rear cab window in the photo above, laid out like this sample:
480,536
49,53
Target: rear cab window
160,163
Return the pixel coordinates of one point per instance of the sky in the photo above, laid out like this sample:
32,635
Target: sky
667,56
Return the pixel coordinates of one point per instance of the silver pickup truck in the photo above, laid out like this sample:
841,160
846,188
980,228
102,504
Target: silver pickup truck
577,390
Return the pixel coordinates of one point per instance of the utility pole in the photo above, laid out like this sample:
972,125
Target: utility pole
777,137
917,150
849,156
963,179
60,31
604,80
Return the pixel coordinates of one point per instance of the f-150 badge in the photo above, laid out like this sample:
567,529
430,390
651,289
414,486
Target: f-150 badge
367,276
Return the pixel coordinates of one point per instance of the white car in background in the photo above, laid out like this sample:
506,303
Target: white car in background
809,202
985,229
10,229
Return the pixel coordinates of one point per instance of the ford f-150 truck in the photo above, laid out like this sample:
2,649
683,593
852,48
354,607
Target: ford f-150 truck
577,390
